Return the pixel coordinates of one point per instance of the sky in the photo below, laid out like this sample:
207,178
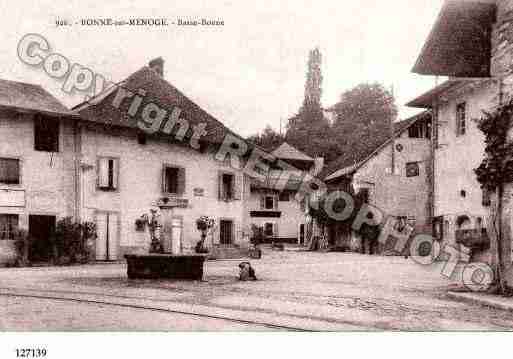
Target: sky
248,73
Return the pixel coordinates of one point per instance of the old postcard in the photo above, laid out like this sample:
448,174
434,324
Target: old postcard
290,166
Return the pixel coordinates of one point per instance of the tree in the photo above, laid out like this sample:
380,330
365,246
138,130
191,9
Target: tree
313,85
363,119
269,139
494,173
309,130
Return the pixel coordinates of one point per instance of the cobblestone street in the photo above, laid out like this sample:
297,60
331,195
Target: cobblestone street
295,290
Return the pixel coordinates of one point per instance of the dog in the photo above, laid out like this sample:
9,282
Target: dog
246,272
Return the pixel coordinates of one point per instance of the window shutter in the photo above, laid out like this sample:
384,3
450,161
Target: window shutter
262,201
103,172
237,232
181,181
275,202
276,234
115,172
220,185
237,186
164,186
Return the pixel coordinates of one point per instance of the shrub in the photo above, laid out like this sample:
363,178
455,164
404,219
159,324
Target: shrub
70,241
22,242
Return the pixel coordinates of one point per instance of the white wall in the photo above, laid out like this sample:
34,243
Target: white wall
47,179
291,214
458,156
140,175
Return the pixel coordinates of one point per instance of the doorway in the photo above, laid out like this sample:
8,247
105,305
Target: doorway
226,232
41,229
301,234
107,240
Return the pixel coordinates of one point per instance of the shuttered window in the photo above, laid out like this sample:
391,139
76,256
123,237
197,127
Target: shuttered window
229,187
9,171
8,226
46,134
173,180
108,171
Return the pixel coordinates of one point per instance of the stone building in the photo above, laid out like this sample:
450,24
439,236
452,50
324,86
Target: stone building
96,164
395,176
459,202
472,44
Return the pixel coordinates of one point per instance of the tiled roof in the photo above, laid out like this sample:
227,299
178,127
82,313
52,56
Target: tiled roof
156,90
24,96
287,152
459,43
426,100
345,166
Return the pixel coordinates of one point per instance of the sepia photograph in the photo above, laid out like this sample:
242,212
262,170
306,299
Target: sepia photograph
274,166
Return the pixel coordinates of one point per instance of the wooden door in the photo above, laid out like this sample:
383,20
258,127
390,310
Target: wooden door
107,241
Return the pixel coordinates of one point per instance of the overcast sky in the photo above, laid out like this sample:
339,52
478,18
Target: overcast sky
249,72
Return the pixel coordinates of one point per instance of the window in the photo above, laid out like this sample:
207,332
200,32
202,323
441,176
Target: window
364,194
438,228
108,173
141,138
226,232
461,119
9,171
268,229
412,169
227,187
269,202
284,196
173,181
419,130
8,226
46,134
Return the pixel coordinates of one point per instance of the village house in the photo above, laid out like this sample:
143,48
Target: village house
125,171
471,43
394,177
459,202
37,166
279,214
97,164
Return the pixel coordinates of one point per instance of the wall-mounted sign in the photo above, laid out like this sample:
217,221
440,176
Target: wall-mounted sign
12,198
199,192
170,202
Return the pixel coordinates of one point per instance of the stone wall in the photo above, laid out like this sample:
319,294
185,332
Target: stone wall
396,194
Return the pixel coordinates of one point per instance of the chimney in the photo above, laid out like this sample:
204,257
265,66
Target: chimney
157,65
